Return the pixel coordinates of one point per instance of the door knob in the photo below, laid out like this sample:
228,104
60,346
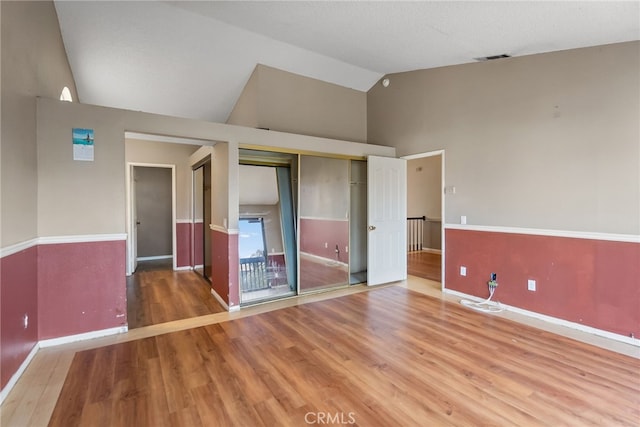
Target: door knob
372,227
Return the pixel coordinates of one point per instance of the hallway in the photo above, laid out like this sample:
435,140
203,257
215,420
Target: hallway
156,294
426,265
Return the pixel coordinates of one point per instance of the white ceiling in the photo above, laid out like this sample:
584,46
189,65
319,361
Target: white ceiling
192,59
257,186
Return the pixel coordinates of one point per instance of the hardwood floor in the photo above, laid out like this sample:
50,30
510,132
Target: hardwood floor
424,264
156,295
318,274
384,357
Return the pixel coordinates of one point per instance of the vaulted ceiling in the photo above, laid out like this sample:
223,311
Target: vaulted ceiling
192,59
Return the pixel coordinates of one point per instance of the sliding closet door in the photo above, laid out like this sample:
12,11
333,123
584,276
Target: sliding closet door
267,236
324,223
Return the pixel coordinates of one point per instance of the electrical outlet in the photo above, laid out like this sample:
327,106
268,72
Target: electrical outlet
531,285
25,320
326,245
463,219
463,270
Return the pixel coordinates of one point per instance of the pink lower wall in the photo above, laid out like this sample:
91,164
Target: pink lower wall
83,285
184,245
225,265
314,233
18,296
591,282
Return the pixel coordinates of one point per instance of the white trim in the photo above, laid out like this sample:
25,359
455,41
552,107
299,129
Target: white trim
421,155
82,238
82,337
325,260
432,251
220,300
555,320
153,258
183,221
317,218
631,238
443,201
222,229
16,376
129,210
198,266
183,268
18,247
54,240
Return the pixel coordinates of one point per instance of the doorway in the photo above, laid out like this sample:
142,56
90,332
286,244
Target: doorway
358,223
151,215
153,212
425,213
202,260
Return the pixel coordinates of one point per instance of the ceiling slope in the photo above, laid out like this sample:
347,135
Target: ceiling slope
192,59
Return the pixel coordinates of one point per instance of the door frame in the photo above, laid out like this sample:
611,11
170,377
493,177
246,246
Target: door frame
130,217
442,206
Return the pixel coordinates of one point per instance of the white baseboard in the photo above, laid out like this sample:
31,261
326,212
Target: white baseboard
220,300
555,320
85,336
183,268
432,251
16,376
153,258
323,260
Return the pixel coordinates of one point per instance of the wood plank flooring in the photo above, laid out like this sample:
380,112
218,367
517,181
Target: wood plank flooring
156,295
424,264
385,357
318,274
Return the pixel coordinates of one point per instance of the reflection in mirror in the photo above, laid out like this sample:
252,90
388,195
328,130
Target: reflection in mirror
266,230
324,223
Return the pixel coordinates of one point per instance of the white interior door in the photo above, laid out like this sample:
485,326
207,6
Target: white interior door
387,220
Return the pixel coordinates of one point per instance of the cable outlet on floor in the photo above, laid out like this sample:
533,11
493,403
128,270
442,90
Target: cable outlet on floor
531,285
463,270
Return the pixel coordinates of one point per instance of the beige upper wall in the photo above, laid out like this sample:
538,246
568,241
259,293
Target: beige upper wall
546,141
143,151
89,197
287,102
245,112
34,63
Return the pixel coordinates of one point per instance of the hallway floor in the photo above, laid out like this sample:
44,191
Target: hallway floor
156,294
426,265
